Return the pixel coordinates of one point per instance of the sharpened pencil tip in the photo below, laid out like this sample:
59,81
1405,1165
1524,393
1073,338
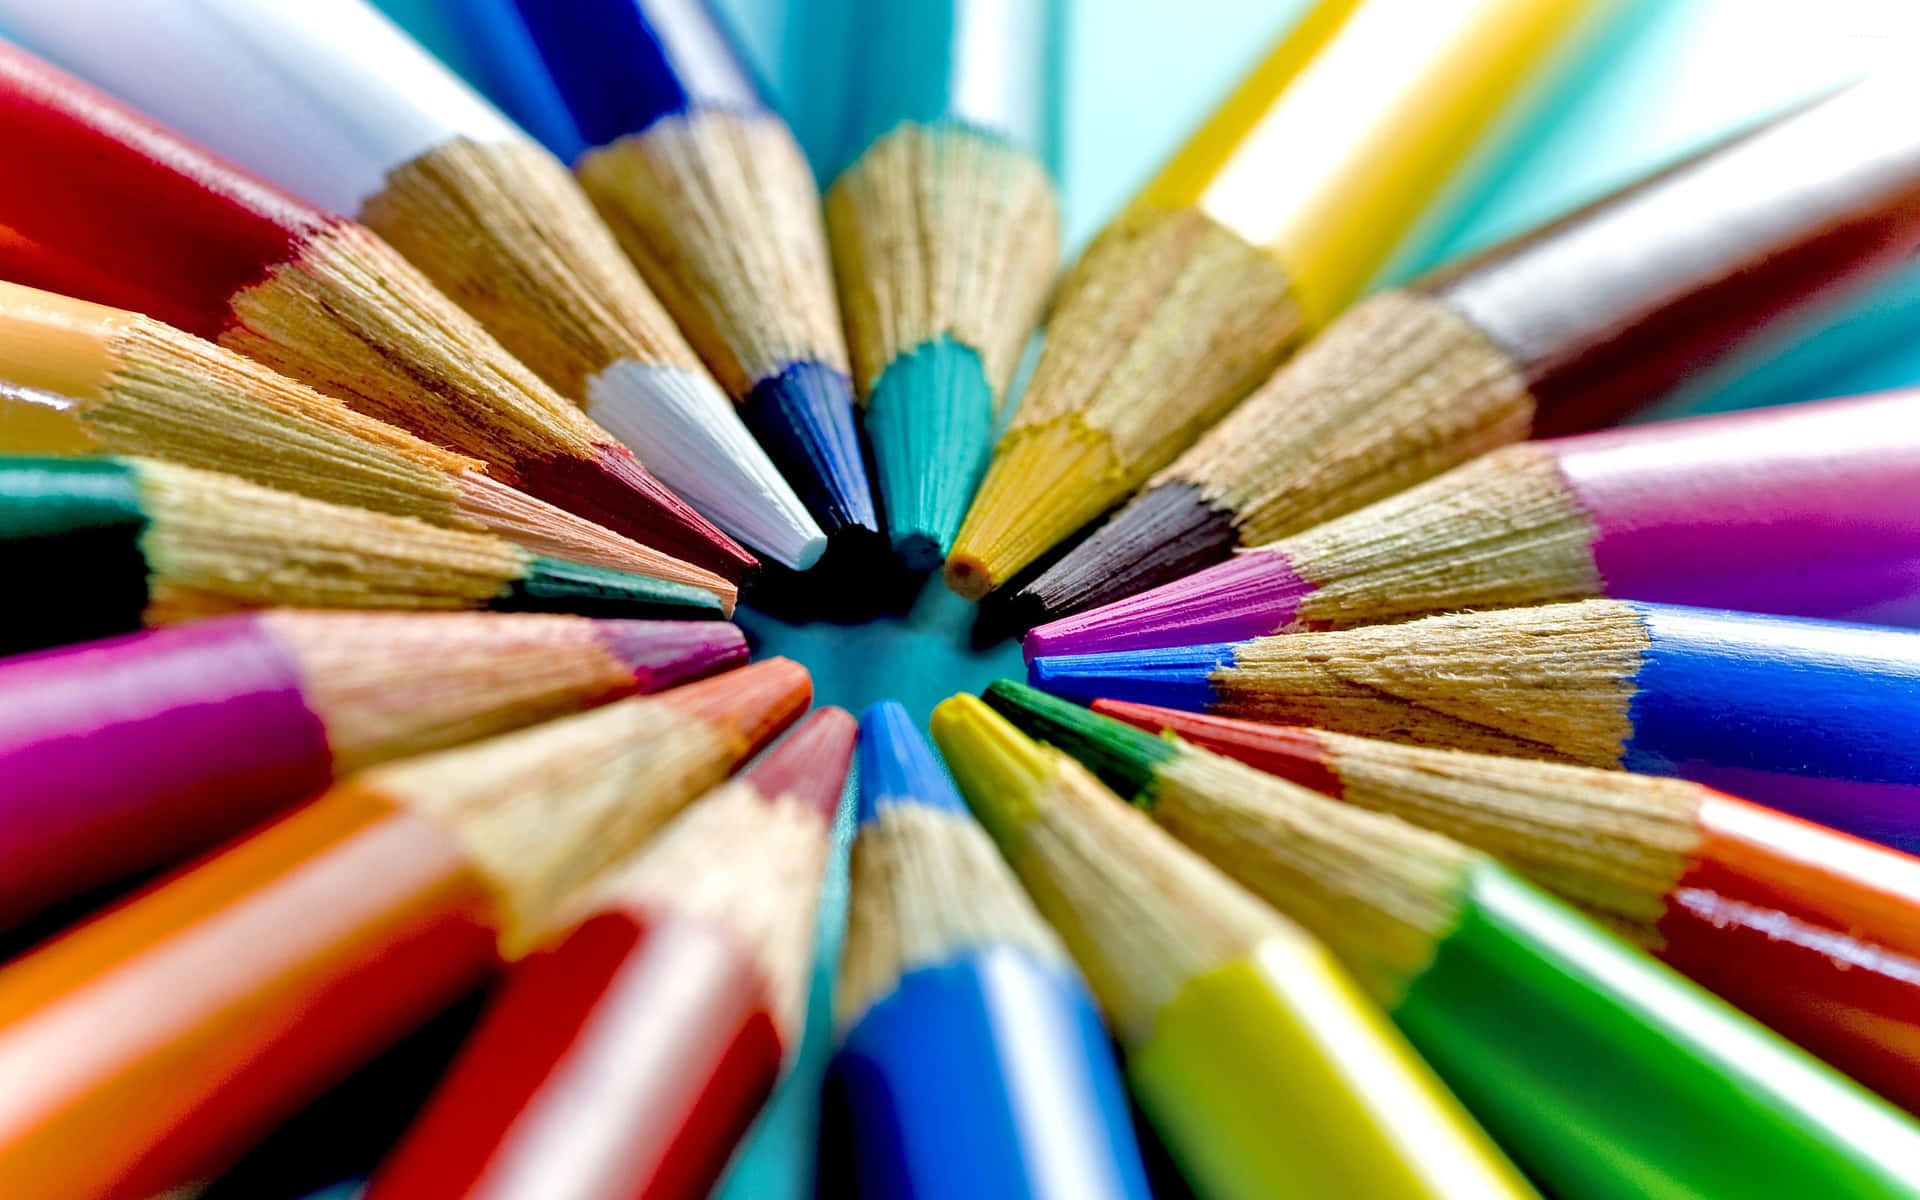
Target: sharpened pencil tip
1000,770
930,419
809,765
554,585
665,654
897,766
1176,677
754,702
804,418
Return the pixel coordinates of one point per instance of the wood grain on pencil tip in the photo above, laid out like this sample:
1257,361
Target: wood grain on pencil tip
626,1058
1794,713
1598,1068
1230,1014
708,193
1807,929
970,1060
311,292
945,230
124,754
107,545
147,1049
1264,225
1566,328
1808,509
80,378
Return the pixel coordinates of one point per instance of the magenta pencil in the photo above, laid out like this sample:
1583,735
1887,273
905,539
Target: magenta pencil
1806,510
128,753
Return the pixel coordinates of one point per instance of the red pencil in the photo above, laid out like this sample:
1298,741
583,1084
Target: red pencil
147,1049
1812,931
100,203
625,1061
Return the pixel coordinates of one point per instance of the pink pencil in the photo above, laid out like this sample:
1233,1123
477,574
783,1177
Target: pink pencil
1807,510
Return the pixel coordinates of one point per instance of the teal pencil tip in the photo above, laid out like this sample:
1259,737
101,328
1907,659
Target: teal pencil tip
930,420
554,585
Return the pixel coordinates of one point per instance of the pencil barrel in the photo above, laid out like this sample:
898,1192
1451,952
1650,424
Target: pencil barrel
147,1050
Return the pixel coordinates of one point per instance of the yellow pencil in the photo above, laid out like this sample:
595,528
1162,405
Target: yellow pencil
1260,229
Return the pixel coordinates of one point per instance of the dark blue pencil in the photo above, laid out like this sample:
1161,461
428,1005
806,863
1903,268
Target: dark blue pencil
709,194
1814,717
972,1061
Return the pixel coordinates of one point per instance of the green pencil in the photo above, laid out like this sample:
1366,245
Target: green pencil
98,546
1602,1072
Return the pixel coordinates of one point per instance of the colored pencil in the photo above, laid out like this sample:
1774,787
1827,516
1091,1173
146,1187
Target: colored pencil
98,546
386,134
1265,224
1803,510
945,231
1603,1072
1264,1068
1808,716
1815,933
1563,329
971,1059
120,755
147,1048
709,194
627,1059
80,378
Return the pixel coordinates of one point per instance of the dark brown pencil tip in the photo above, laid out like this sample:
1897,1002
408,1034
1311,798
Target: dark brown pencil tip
1167,532
613,489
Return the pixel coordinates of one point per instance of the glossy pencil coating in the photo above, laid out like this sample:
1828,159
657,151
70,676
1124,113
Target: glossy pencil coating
1266,1070
148,1048
125,754
1264,225
1797,714
115,208
709,195
1563,329
625,1059
971,1061
944,225
1803,510
116,544
1603,1072
1807,929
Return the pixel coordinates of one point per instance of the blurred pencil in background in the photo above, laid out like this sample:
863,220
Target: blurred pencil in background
945,231
1565,328
1807,716
98,546
1809,509
708,193
1809,930
1265,1069
80,378
98,202
627,1059
120,755
971,1060
389,135
1601,1071
167,1035
1262,227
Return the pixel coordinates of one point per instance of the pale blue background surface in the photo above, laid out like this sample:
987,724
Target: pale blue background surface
1673,75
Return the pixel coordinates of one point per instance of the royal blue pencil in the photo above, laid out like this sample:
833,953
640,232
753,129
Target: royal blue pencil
972,1062
1814,717
709,194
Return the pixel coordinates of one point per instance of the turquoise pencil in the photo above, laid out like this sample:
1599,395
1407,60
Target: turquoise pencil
945,231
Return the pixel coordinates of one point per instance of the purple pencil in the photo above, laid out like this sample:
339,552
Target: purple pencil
1808,510
128,753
